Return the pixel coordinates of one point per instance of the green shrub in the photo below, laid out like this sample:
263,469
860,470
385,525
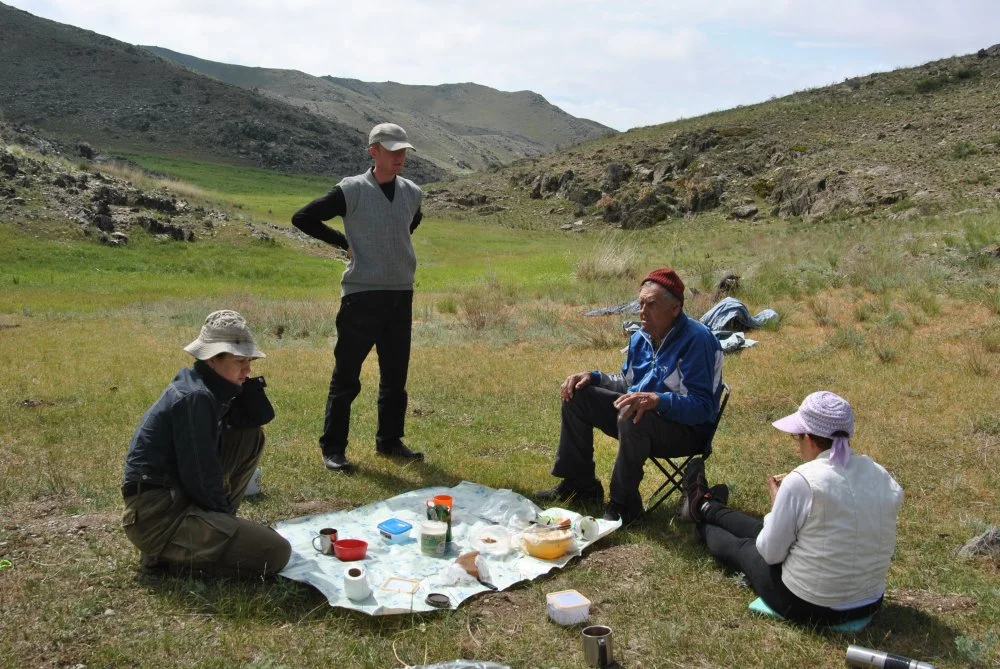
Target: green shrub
967,73
977,363
448,305
975,652
885,353
929,84
927,301
613,258
821,312
762,188
991,342
963,149
863,311
846,338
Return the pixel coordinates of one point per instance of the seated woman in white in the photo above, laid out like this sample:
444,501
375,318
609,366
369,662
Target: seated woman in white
822,554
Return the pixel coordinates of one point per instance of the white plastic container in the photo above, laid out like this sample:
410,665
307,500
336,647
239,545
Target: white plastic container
567,607
394,530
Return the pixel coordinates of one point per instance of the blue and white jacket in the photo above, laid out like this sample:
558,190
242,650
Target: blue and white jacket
686,372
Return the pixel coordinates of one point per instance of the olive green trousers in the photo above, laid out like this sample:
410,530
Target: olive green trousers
170,530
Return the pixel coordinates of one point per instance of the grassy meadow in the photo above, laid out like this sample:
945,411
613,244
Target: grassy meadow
899,317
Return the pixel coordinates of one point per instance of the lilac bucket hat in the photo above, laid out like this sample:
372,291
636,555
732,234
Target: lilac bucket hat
824,414
224,331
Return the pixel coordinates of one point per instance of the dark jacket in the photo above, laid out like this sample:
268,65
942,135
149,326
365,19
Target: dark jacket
177,442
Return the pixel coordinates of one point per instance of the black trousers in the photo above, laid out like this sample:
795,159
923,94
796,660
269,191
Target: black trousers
593,407
379,318
731,538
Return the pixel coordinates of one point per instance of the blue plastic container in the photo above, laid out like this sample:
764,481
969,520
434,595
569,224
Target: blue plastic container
394,530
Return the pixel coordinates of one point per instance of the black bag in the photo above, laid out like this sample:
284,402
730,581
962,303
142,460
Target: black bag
251,408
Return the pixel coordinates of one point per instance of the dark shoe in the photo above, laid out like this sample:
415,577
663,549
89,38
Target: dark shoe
570,490
615,511
397,449
337,462
151,565
695,492
720,493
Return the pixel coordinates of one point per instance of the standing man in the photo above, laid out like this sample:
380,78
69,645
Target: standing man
664,402
380,210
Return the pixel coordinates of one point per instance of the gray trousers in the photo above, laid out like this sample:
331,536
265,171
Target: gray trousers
168,528
593,407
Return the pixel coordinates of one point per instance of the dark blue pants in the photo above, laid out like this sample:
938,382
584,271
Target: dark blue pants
379,318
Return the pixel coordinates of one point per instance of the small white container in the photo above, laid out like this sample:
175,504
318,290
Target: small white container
394,530
567,607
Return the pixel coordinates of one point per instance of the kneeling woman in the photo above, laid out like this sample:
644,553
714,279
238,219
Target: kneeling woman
192,458
822,554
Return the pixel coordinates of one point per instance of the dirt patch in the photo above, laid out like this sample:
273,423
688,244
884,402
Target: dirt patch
45,517
932,602
30,403
313,507
624,561
504,601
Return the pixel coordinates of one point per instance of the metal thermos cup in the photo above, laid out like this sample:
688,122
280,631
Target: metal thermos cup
597,648
866,658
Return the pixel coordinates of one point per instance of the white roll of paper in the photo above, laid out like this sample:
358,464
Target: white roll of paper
356,584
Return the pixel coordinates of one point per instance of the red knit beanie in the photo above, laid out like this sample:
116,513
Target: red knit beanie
667,277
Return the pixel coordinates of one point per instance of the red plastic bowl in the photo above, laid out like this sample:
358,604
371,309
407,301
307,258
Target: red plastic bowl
347,550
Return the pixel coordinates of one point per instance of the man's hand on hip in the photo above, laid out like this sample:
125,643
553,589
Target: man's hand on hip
572,384
636,403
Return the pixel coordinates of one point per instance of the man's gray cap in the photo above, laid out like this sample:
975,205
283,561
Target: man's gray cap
389,135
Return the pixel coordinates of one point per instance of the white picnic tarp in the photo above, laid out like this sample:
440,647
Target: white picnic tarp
474,508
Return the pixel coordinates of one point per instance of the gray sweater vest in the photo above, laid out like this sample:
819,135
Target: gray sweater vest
378,232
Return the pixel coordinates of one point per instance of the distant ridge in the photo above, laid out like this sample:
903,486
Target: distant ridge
459,127
79,85
907,143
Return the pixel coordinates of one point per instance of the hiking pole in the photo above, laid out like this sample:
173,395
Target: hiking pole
866,658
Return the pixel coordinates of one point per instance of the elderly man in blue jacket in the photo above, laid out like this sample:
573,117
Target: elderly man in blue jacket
663,403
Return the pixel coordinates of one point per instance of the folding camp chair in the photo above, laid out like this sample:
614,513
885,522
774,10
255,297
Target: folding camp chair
673,468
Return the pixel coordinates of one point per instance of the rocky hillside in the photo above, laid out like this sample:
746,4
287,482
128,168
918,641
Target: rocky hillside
902,143
70,192
79,85
459,127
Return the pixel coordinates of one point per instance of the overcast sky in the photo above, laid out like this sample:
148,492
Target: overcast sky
624,63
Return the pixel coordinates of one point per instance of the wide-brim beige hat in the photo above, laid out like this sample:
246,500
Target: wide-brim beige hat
224,331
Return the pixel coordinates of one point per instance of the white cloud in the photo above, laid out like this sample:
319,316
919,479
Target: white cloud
624,64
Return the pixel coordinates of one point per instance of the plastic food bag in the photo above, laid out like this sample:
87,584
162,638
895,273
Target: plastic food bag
508,509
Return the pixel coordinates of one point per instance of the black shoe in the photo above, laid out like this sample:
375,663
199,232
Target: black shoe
151,565
397,449
615,511
720,493
337,462
695,492
570,490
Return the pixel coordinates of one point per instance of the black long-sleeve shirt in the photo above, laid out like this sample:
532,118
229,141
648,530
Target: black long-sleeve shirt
309,219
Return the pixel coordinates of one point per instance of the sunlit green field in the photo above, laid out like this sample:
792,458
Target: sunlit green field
273,196
899,318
